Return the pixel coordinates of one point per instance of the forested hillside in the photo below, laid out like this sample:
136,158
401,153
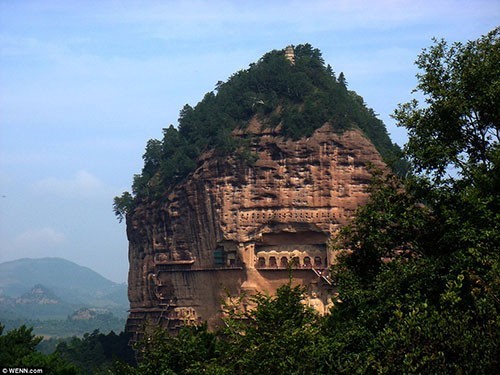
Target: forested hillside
65,285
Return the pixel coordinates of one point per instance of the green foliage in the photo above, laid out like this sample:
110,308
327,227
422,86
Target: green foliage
404,225
96,352
104,322
280,335
416,316
434,307
18,349
459,127
17,344
122,204
193,351
300,97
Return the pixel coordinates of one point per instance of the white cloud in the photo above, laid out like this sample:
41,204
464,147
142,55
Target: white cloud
43,238
33,243
207,19
83,184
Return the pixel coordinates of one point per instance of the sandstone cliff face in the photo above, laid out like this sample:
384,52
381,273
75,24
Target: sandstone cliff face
233,228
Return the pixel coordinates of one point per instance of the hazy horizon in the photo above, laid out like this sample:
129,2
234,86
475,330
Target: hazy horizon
84,85
43,258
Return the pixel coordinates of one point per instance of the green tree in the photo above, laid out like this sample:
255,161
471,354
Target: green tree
279,335
96,352
276,335
394,223
18,349
193,351
122,204
152,157
459,126
421,288
342,79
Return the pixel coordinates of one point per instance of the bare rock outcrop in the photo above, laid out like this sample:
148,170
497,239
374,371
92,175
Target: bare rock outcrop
231,227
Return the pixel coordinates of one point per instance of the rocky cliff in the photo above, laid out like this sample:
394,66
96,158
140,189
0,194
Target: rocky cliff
233,227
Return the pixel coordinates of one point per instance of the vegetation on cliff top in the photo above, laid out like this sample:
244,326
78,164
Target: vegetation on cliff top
299,97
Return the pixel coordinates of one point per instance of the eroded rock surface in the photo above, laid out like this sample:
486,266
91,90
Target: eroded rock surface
233,228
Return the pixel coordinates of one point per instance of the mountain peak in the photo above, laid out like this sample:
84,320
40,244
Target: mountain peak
39,294
293,99
59,283
253,181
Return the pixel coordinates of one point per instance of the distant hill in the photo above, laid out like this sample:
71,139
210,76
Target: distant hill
67,283
19,276
38,303
39,295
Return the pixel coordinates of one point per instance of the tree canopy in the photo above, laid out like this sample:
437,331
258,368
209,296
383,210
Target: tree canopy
459,126
421,287
18,349
299,97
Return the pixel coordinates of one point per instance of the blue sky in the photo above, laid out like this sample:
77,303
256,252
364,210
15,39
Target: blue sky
85,84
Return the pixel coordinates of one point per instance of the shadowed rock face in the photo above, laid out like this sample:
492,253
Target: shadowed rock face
233,228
